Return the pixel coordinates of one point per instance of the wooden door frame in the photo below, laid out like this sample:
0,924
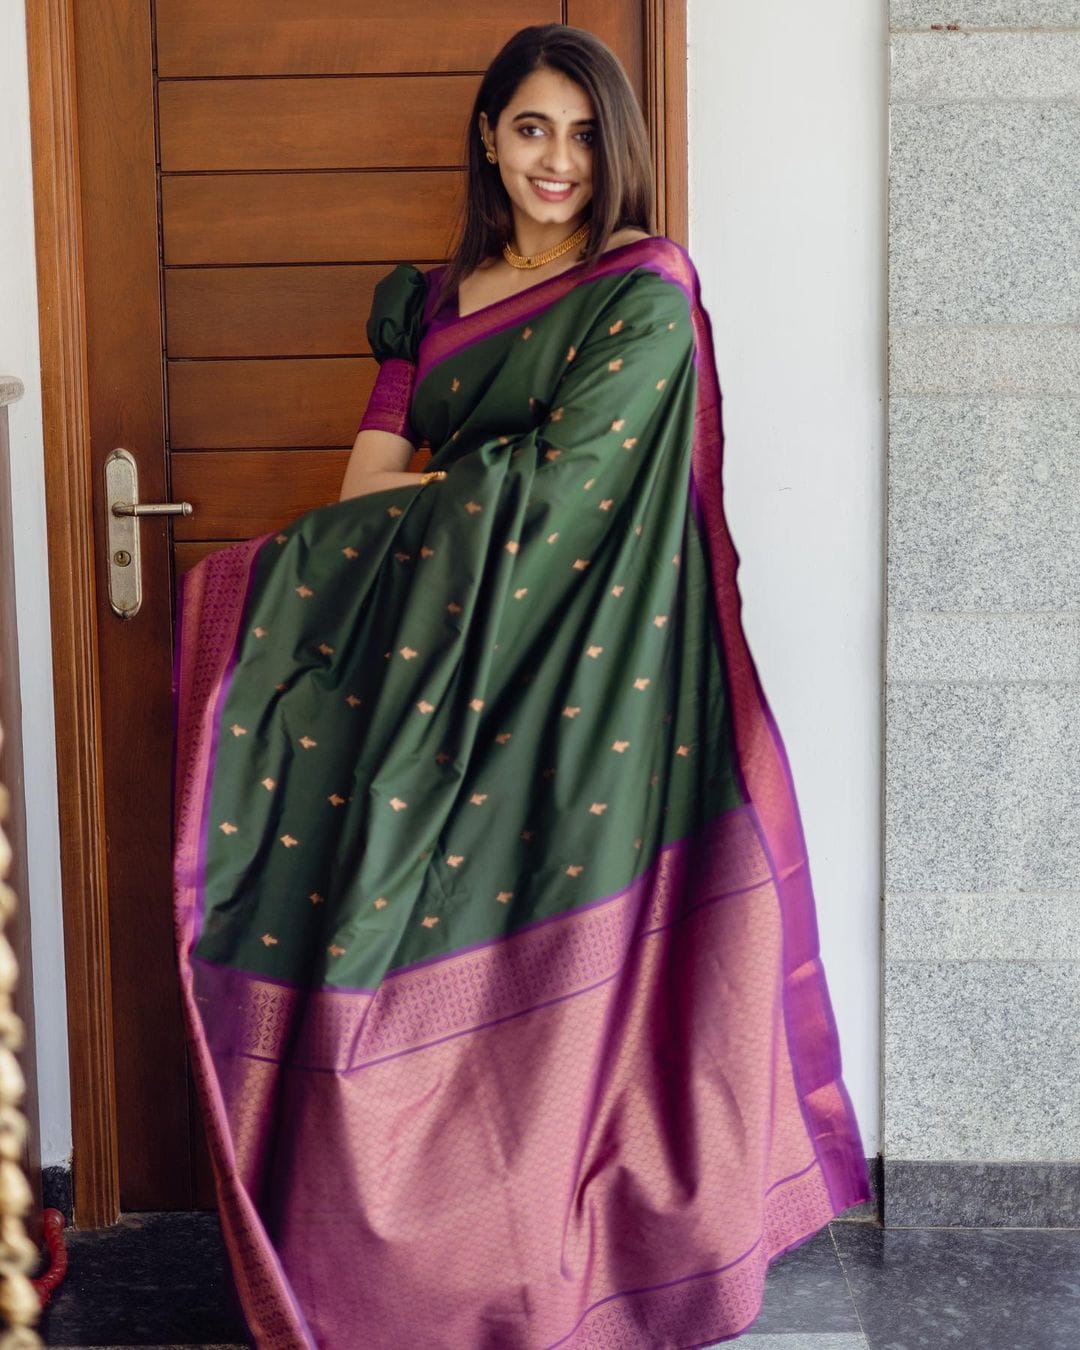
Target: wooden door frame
70,524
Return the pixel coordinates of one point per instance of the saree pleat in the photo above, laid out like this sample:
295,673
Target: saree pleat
495,922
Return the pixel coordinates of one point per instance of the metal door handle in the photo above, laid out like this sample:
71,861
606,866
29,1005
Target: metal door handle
152,508
123,514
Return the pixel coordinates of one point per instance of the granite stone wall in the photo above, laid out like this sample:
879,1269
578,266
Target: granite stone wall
981,1091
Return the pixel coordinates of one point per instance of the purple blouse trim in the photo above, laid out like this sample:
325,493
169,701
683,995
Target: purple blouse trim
391,398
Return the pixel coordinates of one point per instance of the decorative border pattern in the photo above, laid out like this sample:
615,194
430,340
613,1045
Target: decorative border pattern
391,399
216,591
675,1313
342,1031
767,781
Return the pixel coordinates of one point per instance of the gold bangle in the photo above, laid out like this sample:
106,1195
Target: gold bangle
432,476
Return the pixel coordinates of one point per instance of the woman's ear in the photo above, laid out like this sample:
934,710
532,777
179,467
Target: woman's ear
486,134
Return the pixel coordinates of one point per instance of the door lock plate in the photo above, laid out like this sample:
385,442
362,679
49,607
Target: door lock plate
123,512
125,564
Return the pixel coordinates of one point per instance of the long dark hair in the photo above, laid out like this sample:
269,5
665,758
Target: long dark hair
623,191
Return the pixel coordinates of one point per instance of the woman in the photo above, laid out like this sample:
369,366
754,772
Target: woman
495,920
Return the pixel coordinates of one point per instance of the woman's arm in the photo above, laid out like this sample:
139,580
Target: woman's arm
377,461
383,448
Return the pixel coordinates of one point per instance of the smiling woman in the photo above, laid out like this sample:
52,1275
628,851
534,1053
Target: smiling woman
558,173
555,141
496,925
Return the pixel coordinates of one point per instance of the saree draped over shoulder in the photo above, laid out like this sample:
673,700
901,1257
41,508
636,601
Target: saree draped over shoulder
495,922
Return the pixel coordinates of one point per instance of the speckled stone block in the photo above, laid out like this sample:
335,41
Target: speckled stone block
959,66
981,931
983,499
982,926
997,647
983,1195
1029,359
985,13
981,788
980,1061
984,212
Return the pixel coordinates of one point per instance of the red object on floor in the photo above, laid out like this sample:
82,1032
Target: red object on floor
53,1225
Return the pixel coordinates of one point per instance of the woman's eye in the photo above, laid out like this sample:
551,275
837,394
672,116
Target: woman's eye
588,136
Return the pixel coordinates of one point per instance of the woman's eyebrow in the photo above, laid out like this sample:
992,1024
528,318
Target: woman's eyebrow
579,122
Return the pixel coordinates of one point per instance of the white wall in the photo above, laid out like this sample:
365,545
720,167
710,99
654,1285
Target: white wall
788,162
787,226
19,356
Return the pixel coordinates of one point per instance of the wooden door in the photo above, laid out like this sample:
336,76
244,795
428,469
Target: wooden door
249,169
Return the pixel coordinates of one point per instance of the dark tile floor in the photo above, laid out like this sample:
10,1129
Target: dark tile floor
160,1280
153,1279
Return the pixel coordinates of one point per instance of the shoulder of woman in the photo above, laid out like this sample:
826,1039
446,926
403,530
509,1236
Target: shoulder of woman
661,275
663,253
657,254
397,311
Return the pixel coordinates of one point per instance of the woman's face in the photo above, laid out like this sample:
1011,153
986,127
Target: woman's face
544,141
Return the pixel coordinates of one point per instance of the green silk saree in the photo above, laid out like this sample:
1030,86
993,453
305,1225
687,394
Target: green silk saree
495,922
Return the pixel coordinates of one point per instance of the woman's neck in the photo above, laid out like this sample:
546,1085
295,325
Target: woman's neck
531,237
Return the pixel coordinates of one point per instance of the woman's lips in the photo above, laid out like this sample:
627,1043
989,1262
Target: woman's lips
547,195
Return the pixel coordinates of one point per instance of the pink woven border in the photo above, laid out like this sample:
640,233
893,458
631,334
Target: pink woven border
212,609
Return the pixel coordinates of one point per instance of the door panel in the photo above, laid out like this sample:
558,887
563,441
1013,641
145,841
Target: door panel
622,24
304,148
252,491
293,401
336,37
307,217
269,311
313,124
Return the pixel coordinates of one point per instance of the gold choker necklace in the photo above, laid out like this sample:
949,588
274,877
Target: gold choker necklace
538,259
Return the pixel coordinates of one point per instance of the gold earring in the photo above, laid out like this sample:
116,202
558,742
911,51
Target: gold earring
491,155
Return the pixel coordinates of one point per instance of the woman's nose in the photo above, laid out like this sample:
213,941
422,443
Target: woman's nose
558,157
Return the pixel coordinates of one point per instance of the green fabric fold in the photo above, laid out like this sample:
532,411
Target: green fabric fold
397,311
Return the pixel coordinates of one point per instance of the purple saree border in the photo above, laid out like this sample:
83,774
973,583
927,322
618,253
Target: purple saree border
699,1274
658,900
810,1043
215,740
271,1310
440,343
438,958
210,1085
641,924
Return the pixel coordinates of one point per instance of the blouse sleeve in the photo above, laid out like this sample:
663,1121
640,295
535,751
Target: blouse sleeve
393,331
